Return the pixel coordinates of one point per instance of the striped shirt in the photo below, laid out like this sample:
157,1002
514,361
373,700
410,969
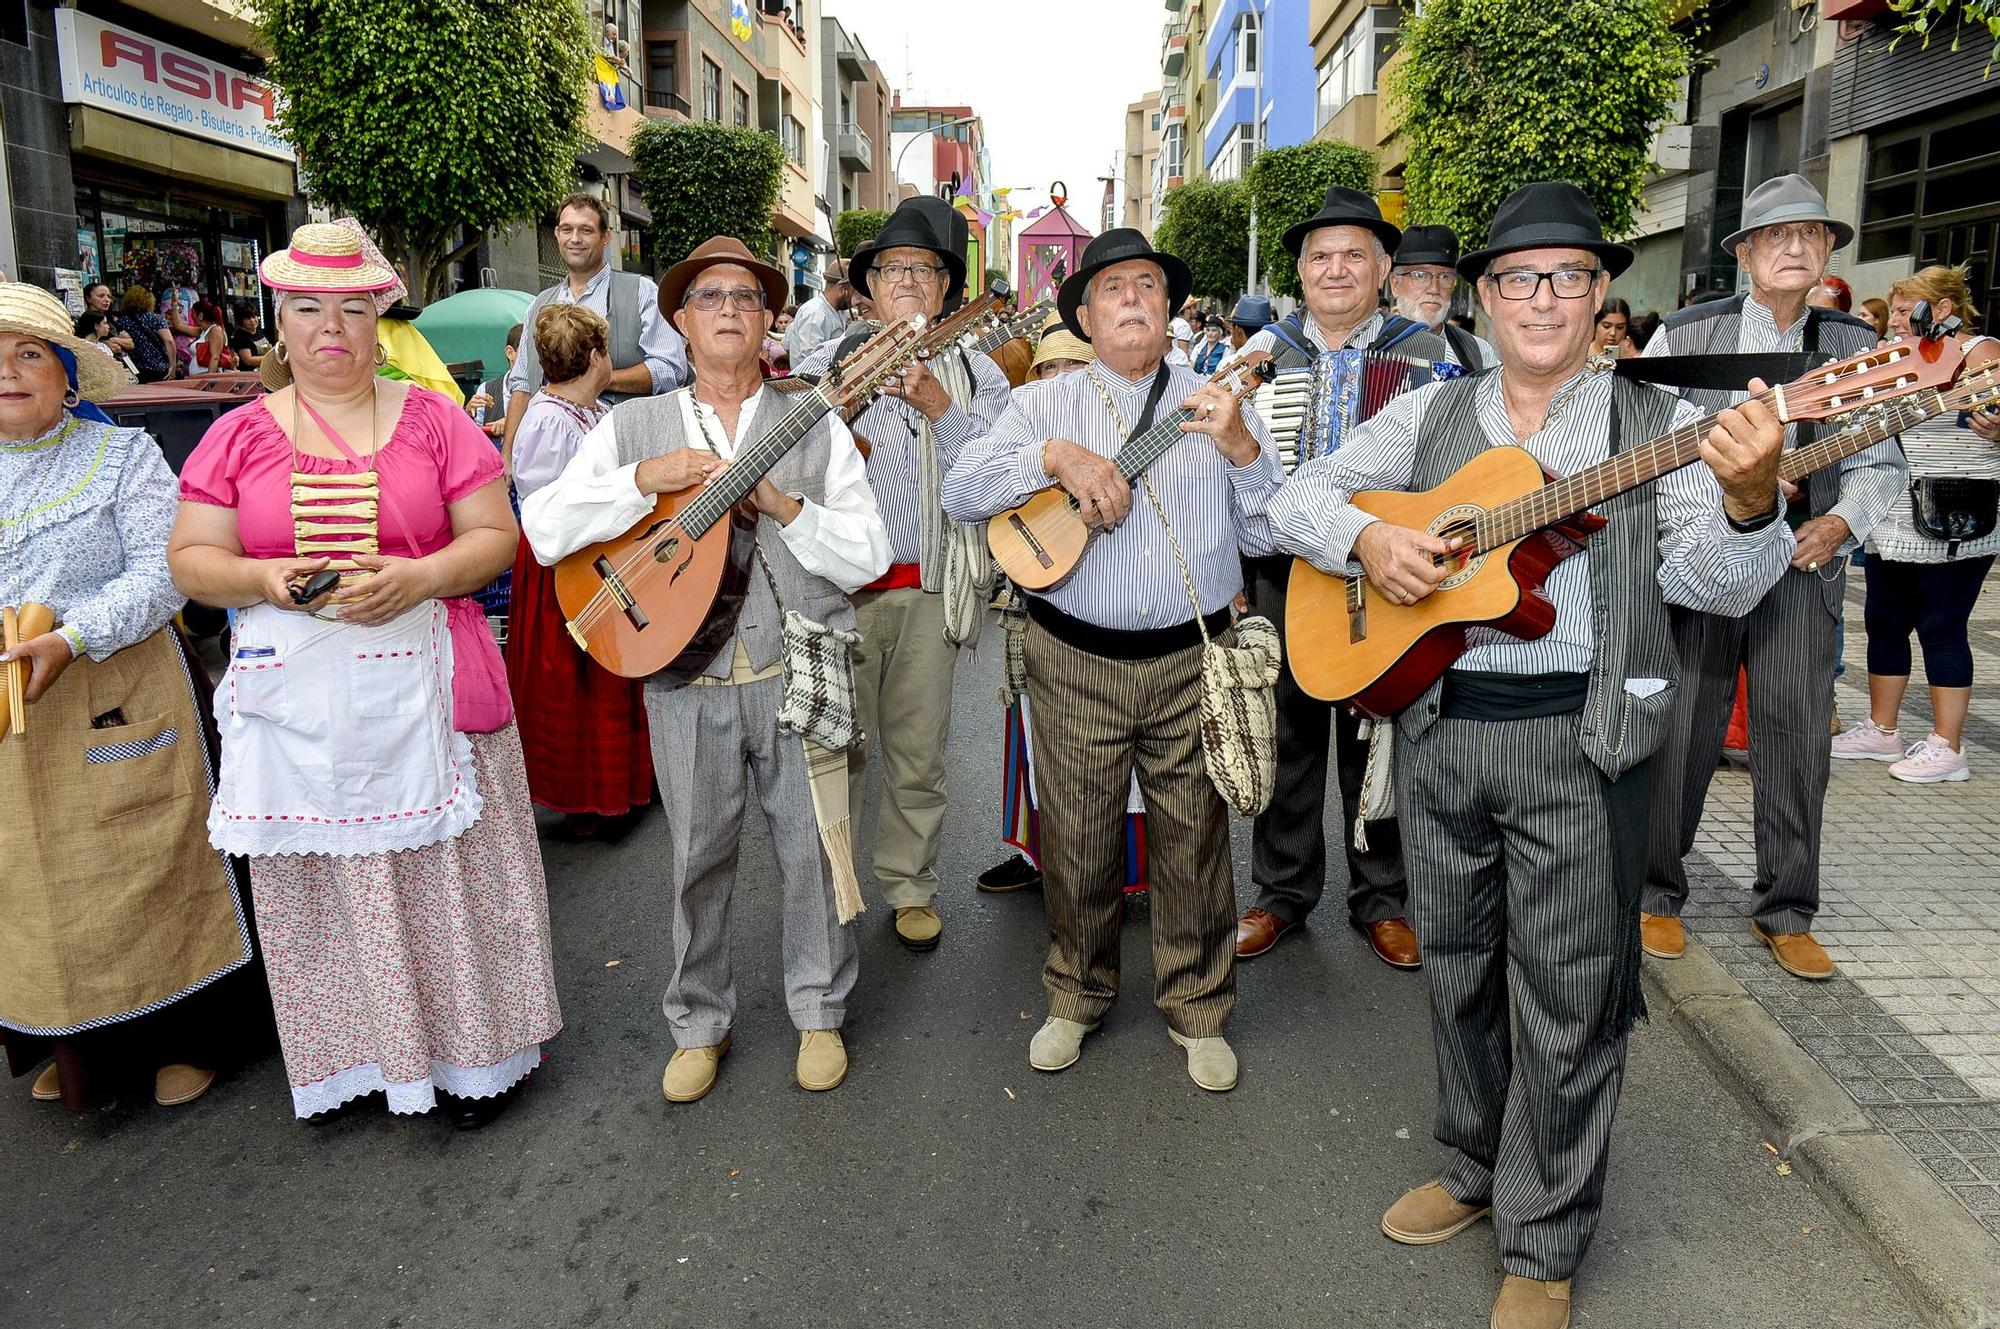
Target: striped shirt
1129,579
895,430
1704,563
1871,481
1938,449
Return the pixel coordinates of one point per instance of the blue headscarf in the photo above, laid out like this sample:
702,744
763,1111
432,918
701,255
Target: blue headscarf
89,410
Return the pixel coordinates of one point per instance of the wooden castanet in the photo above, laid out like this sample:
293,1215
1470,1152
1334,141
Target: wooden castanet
678,633
16,626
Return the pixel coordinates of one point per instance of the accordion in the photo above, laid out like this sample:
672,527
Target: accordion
1310,409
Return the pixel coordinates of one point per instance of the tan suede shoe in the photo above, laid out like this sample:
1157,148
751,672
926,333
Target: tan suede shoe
822,1059
691,1071
48,1085
179,1083
918,927
1661,936
1797,953
1430,1214
1210,1061
1526,1303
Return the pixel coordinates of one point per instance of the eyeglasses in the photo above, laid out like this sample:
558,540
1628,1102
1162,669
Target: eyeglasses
1567,283
923,274
745,298
1443,281
1778,238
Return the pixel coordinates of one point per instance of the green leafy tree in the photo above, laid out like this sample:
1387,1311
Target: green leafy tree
703,180
1289,184
1926,18
431,121
1206,224
1496,93
857,227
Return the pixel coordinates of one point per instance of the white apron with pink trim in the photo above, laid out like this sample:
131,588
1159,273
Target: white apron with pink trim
337,738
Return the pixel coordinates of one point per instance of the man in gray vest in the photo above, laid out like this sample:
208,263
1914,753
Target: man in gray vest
1788,644
1343,255
1521,777
716,741
647,355
823,318
1422,280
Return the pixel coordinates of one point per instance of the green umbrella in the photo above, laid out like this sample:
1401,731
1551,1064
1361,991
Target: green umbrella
473,325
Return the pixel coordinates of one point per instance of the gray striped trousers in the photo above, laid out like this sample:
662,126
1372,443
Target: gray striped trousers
1514,857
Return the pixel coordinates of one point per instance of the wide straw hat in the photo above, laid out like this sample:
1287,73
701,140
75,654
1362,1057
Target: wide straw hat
33,312
327,257
1059,343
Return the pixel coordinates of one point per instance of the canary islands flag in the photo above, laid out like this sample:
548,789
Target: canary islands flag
609,90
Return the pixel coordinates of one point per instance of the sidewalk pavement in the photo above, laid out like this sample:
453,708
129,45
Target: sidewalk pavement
1910,1029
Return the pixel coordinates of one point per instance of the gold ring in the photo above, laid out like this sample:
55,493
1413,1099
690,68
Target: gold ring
1812,567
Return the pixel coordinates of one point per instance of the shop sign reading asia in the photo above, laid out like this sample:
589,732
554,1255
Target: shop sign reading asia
134,76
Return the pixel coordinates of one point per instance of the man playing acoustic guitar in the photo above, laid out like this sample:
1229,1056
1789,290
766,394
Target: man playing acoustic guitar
1521,778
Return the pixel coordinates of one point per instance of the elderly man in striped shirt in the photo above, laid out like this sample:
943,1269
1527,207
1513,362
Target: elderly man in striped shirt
1522,777
1114,652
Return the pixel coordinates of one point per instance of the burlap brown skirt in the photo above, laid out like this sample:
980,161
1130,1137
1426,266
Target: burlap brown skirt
113,904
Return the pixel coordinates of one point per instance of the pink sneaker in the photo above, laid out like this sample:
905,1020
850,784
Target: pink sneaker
1867,742
1932,762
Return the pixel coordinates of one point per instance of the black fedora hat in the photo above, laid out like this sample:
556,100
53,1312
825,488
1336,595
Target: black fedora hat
923,222
1344,207
1427,245
1120,244
1548,214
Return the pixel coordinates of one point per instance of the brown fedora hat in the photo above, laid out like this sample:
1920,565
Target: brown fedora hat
715,252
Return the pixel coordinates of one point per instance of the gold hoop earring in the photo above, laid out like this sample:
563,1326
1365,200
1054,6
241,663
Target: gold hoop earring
71,398
381,355
279,351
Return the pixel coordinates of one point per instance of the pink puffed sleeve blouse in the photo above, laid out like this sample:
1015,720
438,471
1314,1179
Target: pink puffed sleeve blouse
432,458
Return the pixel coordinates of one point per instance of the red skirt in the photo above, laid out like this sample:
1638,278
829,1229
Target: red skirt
583,728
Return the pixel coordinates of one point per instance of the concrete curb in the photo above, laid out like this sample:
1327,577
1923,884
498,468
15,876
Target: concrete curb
1949,1264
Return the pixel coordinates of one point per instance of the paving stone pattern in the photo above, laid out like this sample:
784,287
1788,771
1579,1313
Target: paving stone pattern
1910,912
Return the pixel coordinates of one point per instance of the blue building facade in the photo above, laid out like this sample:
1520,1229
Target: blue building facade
1234,48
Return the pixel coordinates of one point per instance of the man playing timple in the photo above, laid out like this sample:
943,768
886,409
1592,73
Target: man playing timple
647,355
914,618
1114,652
1422,280
716,742
823,318
1787,646
1343,255
1521,776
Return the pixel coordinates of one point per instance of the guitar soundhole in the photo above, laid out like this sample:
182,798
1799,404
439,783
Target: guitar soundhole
1459,522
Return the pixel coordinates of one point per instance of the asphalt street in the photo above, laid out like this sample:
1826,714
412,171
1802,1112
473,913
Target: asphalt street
946,1183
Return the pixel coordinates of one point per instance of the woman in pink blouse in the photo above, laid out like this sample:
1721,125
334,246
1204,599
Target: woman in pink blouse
371,769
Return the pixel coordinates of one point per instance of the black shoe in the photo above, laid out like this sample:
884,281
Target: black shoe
470,1114
1016,874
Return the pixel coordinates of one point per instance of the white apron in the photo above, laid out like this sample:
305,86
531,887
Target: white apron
337,738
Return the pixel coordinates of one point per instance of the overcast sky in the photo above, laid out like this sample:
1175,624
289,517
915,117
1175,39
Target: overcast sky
1051,77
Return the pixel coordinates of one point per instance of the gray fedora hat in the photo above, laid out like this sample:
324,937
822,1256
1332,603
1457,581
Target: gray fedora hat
1785,198
1253,312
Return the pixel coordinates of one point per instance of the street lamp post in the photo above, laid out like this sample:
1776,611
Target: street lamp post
1254,12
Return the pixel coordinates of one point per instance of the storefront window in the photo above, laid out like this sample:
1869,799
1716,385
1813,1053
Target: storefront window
172,245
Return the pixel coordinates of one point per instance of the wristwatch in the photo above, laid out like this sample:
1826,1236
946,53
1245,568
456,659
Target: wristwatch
1754,525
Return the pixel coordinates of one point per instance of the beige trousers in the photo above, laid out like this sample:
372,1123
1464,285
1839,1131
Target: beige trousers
902,684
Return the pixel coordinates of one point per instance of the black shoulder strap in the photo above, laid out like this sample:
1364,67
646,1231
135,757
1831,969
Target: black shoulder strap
1462,345
1719,373
1395,329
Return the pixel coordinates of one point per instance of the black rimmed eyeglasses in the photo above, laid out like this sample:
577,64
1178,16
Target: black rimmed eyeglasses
1567,283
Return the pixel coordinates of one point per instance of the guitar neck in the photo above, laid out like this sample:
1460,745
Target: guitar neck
734,482
1891,419
1149,447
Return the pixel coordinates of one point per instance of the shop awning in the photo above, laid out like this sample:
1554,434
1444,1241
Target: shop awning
611,132
99,133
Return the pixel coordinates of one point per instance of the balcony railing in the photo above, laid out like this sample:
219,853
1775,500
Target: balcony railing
855,149
1174,57
658,102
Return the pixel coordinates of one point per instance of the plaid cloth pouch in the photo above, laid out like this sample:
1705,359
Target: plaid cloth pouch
819,683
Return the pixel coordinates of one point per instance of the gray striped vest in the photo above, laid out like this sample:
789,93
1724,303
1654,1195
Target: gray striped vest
1620,729
651,426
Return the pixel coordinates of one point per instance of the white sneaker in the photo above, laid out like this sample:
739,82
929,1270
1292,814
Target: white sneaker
1931,762
1868,742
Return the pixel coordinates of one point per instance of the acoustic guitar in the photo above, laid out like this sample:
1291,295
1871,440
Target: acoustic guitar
1040,543
663,597
1346,643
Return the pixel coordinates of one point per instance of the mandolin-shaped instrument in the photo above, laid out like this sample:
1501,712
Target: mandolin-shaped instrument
1346,643
1040,543
664,596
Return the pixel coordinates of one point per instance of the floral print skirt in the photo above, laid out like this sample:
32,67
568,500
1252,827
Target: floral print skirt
416,971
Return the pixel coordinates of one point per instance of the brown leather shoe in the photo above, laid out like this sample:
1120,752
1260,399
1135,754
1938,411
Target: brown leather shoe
1394,943
1527,1303
1258,931
48,1085
1429,1214
1661,936
1797,953
180,1083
